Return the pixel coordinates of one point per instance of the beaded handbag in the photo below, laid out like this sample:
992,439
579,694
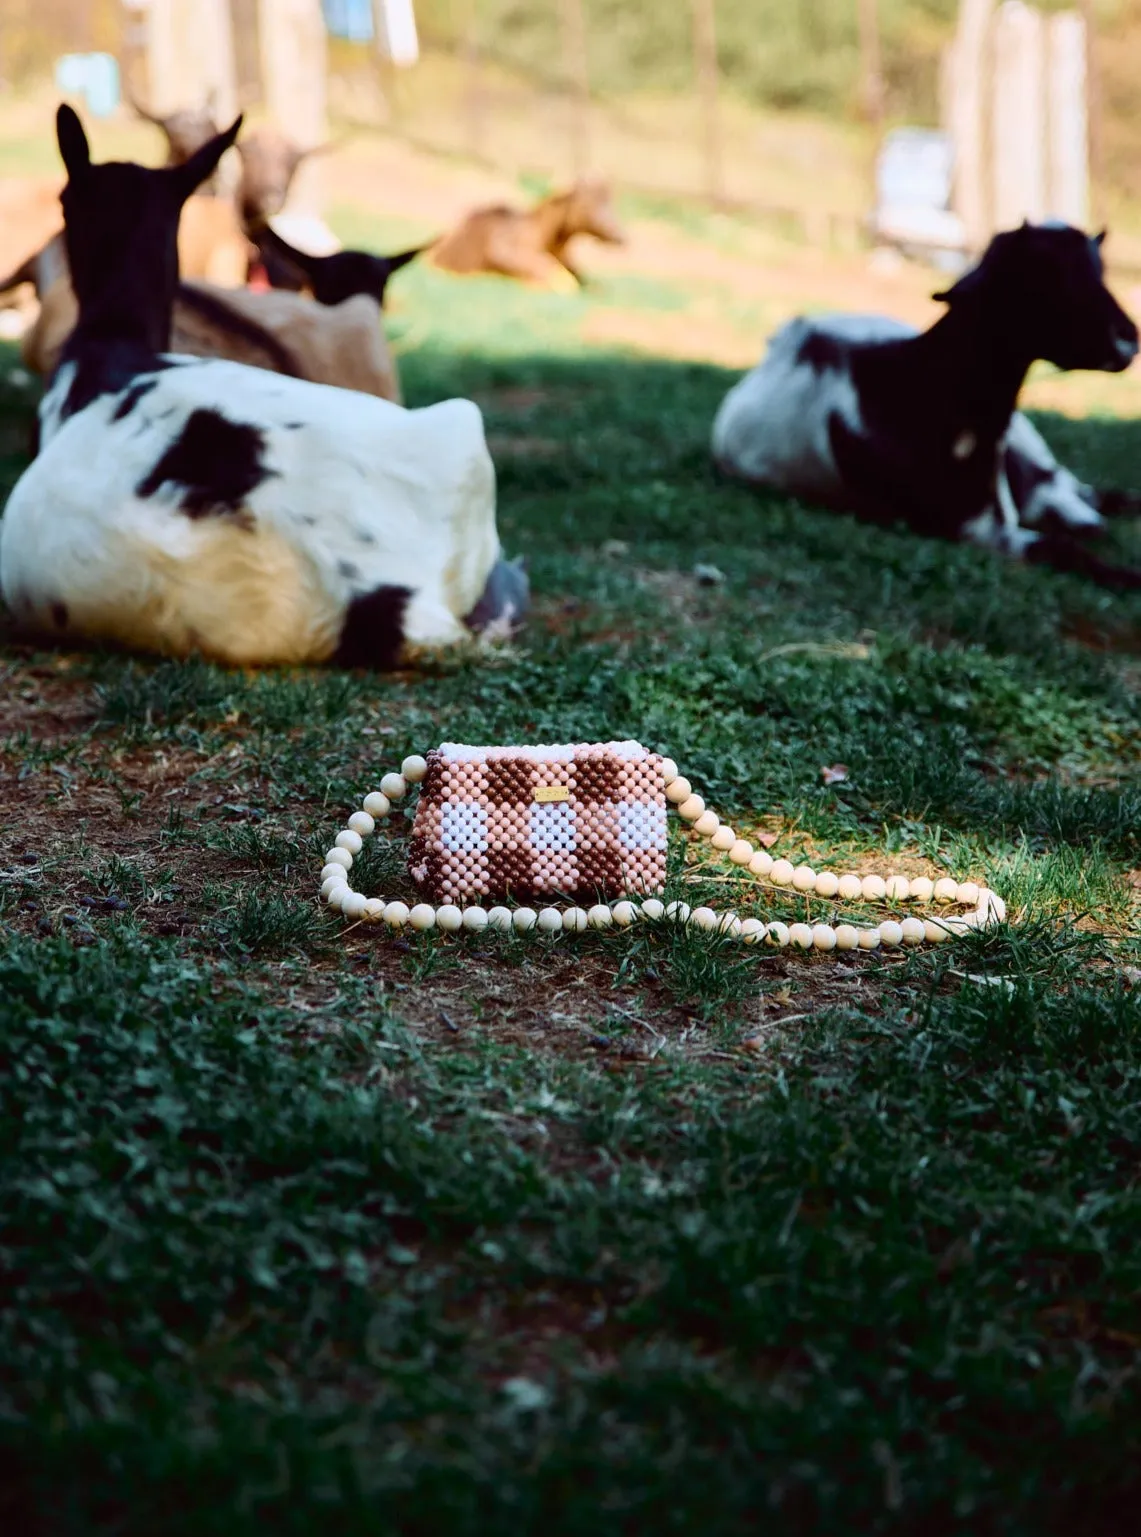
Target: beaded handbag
588,821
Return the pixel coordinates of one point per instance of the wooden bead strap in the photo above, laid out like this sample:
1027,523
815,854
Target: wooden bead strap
986,907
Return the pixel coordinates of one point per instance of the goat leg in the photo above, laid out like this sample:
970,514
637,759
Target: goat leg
1113,503
1063,552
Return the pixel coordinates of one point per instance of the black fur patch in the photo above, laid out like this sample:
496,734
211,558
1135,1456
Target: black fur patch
132,396
216,462
60,615
1024,476
346,569
373,632
822,353
106,369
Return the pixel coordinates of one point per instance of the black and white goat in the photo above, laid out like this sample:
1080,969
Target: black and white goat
332,278
182,505
863,414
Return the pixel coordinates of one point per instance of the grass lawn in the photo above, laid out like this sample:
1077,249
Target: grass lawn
314,1232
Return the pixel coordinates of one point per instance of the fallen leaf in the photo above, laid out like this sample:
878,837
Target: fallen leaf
834,774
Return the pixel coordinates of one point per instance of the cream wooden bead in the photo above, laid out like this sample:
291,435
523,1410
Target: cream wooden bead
777,934
393,786
827,883
741,852
898,888
679,790
338,891
691,808
703,918
339,856
333,872
422,917
729,923
475,919
449,918
800,936
599,916
653,909
936,932
354,904
669,771
499,918
823,936
849,886
413,769
550,920
678,912
350,841
574,920
847,937
707,824
946,889
377,805
967,893
781,873
752,930
922,888
891,934
524,918
396,914
873,888
991,908
761,863
914,931
869,939
723,839
804,878
331,881
360,822
373,910
624,914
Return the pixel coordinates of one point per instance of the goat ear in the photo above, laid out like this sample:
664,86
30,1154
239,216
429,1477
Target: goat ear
204,162
960,290
1099,239
73,145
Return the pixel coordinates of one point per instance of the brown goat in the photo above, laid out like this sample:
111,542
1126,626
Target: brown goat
531,246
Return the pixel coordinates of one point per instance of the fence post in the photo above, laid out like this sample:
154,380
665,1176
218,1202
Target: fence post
474,97
574,50
293,61
705,58
969,120
1095,119
1018,112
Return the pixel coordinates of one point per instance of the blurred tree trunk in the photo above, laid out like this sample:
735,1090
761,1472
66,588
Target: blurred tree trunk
293,66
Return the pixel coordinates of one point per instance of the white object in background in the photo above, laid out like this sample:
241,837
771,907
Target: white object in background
1018,115
306,232
396,31
1069,118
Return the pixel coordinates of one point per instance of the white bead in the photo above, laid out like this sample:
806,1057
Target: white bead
413,769
891,934
898,888
350,841
847,937
523,918
374,910
475,919
678,790
781,873
377,805
914,931
678,912
752,930
761,862
800,936
574,920
338,891
422,917
499,918
729,924
339,856
946,889
936,932
869,939
396,914
707,824
922,888
873,888
741,852
723,839
804,878
360,822
550,920
776,934
991,908
823,936
599,916
333,880
449,918
353,904
967,894
624,914
850,886
652,908
827,883
703,918
691,808
393,786
669,771
334,872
